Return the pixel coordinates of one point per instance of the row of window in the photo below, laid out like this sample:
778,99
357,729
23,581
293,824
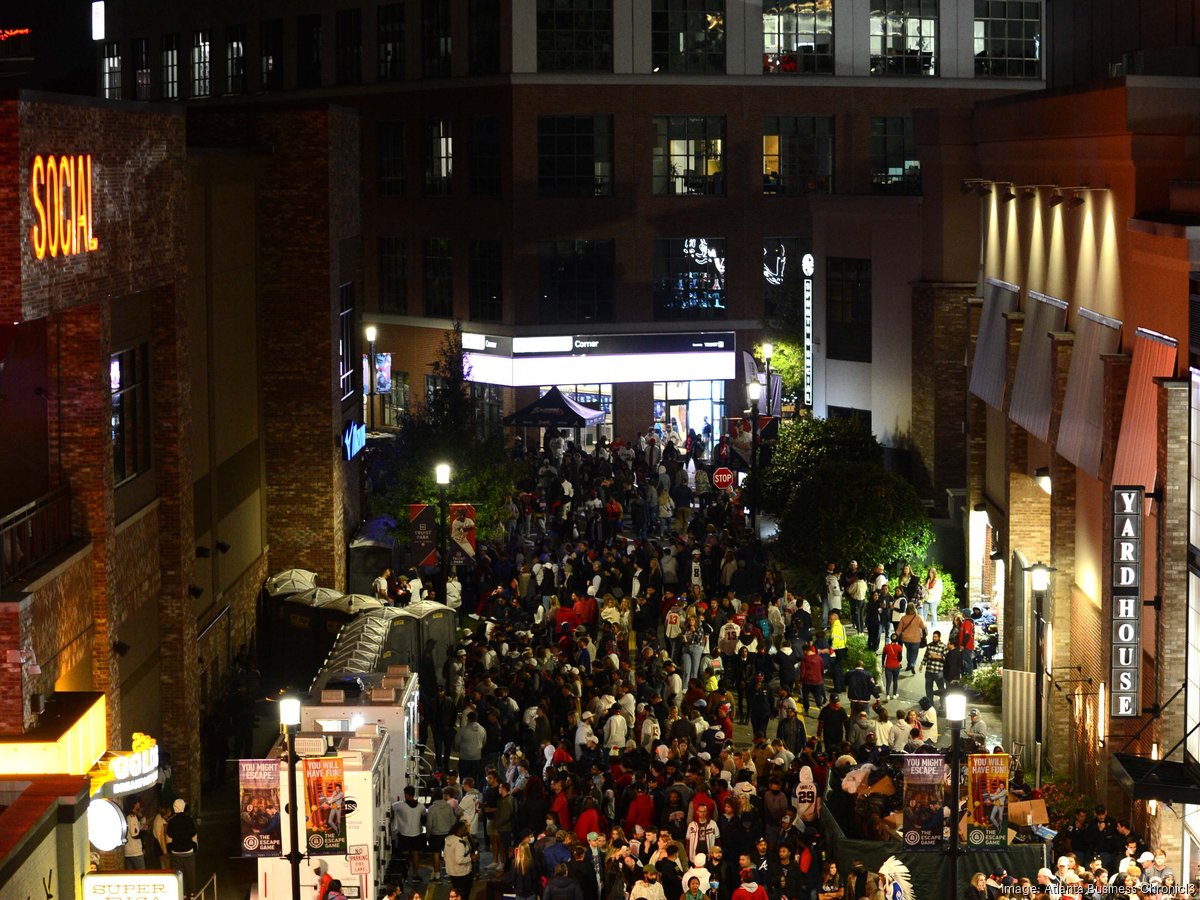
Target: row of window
577,284
575,156
686,36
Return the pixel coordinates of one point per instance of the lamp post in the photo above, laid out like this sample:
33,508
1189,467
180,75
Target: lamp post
754,391
442,475
1039,578
371,333
289,724
768,350
956,713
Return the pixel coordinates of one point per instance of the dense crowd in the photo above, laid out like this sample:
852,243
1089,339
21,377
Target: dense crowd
620,635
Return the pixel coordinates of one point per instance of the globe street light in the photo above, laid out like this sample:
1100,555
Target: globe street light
289,724
371,334
754,392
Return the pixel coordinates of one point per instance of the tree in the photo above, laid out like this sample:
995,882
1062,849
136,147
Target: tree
807,443
445,428
787,361
854,510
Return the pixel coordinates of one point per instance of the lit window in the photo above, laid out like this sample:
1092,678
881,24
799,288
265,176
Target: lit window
688,36
797,155
689,155
170,67
201,56
129,383
346,342
112,71
895,168
1008,38
904,37
798,36
689,278
235,59
439,157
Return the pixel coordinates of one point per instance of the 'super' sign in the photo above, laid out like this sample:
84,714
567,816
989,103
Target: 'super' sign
60,188
1127,508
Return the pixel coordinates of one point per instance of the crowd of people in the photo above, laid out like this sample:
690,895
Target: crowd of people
627,716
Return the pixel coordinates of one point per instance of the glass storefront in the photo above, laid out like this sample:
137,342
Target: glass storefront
683,405
593,396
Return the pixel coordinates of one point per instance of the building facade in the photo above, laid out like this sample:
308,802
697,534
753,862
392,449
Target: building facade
552,173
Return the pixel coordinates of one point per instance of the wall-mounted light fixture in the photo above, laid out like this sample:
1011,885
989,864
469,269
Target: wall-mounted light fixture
222,546
203,552
120,648
1042,476
996,555
1075,197
195,591
1006,194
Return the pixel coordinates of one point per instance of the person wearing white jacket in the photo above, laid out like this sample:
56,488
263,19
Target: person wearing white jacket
616,731
453,592
459,860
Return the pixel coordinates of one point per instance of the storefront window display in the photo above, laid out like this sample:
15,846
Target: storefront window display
683,405
594,396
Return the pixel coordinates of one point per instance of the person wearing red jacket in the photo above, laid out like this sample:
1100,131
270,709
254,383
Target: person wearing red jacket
641,811
750,889
812,677
560,807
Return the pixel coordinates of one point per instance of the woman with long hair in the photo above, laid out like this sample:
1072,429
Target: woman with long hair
527,879
460,861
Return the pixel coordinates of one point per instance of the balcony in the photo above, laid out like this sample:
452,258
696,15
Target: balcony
34,533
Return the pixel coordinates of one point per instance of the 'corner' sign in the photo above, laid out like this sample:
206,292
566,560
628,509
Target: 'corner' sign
1128,505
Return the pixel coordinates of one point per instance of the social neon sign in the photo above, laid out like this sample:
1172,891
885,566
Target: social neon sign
60,188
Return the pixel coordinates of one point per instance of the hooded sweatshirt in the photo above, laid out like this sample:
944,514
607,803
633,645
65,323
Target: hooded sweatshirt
750,890
808,799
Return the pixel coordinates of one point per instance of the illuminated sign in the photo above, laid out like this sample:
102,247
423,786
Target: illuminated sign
133,885
808,267
61,190
134,770
107,828
6,33
354,438
1128,504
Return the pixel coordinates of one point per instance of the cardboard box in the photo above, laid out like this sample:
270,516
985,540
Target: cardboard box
1028,812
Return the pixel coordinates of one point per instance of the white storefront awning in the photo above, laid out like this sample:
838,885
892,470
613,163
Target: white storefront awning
1033,385
1080,431
989,369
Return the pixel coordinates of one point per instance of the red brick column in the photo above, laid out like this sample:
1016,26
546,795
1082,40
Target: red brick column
87,459
1014,536
1061,742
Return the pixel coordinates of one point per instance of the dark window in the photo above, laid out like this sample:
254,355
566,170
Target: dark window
1008,38
235,59
486,291
390,138
797,155
848,309
170,67
129,381
850,414
904,37
435,38
483,37
439,157
439,278
201,64
348,38
688,36
141,69
576,281
689,278
485,156
391,42
574,36
689,155
112,71
308,51
783,281
575,156
797,37
435,385
393,276
895,168
489,407
348,363
270,35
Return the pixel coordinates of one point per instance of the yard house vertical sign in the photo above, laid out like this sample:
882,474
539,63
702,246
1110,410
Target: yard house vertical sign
1128,509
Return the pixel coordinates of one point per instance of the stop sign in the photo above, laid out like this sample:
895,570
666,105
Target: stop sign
722,478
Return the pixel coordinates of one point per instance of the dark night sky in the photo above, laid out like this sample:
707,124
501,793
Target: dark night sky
64,57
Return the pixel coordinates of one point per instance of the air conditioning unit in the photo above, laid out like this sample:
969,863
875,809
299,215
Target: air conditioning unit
383,695
391,681
333,697
398,670
310,746
362,744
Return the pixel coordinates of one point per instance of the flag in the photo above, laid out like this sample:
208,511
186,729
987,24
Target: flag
422,525
325,817
462,534
924,801
258,807
987,800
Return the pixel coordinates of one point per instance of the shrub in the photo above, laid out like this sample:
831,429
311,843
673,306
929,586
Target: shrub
1062,799
856,651
985,681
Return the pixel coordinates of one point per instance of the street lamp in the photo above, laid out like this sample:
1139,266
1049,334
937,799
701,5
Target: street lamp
768,350
442,476
1039,581
371,334
754,391
956,713
289,724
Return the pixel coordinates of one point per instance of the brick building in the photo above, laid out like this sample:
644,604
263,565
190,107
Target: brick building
1084,380
567,178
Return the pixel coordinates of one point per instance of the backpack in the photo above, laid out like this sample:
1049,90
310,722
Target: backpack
546,579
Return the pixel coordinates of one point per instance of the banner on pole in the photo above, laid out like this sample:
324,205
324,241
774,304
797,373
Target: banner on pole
924,801
258,807
325,791
422,529
462,534
987,800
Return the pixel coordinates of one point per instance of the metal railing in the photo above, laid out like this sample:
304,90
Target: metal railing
34,533
204,893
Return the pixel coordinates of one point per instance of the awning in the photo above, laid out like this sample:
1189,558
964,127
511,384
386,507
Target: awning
1033,385
989,370
1143,778
1137,447
555,410
1080,430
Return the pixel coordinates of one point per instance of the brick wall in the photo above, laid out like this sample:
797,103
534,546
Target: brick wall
1062,552
939,330
1016,462
61,614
